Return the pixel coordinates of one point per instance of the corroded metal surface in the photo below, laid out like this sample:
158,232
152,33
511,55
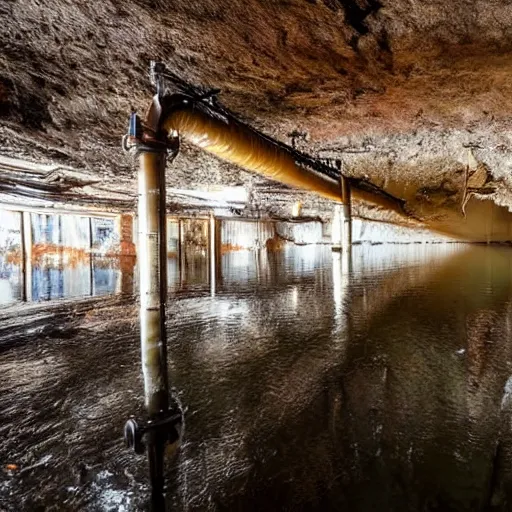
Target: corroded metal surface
152,278
242,147
239,145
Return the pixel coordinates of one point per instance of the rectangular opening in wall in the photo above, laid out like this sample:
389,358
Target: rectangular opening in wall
105,237
11,282
60,256
194,255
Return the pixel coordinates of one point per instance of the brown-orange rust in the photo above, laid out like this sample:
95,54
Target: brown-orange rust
72,255
238,144
224,248
275,244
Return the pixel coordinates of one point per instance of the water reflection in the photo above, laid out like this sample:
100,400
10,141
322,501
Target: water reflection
395,408
243,269
91,276
52,279
11,284
49,256
309,385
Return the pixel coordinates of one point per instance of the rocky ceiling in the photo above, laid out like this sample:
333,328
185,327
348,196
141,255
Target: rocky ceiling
415,95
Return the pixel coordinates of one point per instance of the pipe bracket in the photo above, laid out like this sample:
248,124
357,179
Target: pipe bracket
138,140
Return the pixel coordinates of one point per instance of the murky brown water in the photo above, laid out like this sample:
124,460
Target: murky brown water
306,387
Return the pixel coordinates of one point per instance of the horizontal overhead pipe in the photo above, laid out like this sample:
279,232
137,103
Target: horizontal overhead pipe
232,141
240,146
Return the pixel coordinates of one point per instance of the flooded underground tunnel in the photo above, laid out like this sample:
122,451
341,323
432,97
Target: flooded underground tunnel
255,256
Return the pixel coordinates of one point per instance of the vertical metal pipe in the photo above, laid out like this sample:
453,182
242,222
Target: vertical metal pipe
212,244
182,252
26,254
347,214
153,293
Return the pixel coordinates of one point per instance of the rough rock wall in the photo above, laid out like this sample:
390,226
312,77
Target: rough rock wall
418,79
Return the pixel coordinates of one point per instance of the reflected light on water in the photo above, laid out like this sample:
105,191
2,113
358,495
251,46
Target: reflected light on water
306,388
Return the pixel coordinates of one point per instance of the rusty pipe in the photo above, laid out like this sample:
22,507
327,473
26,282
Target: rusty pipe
236,143
152,270
153,292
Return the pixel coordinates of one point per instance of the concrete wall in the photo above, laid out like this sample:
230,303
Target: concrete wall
364,231
301,232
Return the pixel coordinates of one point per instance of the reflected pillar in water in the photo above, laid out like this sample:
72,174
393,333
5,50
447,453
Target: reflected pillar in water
346,263
127,253
26,242
341,275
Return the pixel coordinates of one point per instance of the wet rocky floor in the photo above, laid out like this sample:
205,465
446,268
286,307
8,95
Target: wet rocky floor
309,382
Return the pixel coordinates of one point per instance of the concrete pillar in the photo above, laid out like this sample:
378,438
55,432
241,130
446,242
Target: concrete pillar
127,253
212,252
26,254
347,214
218,252
125,284
181,251
124,225
91,261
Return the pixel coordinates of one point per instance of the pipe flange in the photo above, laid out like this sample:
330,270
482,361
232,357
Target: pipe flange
136,146
133,436
168,425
